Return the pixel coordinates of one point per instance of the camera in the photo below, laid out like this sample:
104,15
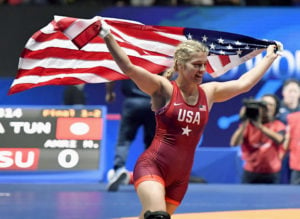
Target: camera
252,108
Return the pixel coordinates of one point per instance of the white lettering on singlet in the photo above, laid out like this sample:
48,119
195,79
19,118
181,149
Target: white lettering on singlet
188,116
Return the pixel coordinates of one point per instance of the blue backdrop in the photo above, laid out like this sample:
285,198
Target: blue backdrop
274,23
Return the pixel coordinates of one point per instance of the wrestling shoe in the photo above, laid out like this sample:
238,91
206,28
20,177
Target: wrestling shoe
129,180
110,174
121,176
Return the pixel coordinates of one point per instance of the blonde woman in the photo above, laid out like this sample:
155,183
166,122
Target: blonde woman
181,107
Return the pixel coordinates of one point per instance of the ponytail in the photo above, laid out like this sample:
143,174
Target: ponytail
169,73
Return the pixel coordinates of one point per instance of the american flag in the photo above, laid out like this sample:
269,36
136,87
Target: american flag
69,51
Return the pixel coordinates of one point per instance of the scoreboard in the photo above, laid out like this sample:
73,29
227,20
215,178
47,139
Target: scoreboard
51,138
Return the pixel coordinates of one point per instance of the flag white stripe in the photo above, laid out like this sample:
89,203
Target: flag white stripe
32,44
58,63
229,66
251,55
57,18
234,59
35,79
119,19
173,36
215,62
48,29
153,46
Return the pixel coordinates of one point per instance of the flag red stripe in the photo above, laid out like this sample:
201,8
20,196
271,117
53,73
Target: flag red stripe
224,59
66,53
65,23
25,86
142,51
39,36
166,29
102,71
58,81
209,68
87,35
148,34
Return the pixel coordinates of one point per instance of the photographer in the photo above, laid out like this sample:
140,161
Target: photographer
261,136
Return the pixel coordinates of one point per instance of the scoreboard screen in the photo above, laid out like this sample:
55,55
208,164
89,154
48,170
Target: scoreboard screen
51,138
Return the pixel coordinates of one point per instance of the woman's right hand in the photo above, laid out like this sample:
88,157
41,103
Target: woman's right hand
104,29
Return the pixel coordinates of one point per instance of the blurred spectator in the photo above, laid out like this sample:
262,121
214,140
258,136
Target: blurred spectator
159,2
184,2
296,2
199,2
120,3
142,2
39,2
74,95
294,146
15,2
136,113
290,99
165,2
229,2
202,2
290,104
260,136
269,2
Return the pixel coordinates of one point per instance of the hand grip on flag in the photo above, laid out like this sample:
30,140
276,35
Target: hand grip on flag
79,31
279,48
104,29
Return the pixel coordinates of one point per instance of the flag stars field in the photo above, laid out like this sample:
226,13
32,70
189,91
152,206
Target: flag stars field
204,38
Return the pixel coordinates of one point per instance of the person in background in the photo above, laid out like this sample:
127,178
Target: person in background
261,138
161,174
289,104
74,95
293,144
290,99
136,113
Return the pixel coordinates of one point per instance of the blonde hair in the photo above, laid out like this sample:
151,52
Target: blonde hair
183,54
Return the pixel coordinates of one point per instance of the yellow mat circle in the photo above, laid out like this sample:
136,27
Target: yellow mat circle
245,214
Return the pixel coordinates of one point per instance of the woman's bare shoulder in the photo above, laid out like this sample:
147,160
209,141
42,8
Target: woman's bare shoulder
209,86
209,90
